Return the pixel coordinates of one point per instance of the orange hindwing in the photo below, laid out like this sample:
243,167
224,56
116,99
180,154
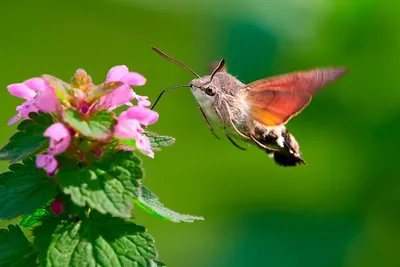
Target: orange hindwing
275,100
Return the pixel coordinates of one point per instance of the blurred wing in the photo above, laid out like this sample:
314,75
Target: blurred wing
276,100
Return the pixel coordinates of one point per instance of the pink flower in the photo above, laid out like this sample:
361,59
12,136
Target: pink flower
47,162
23,111
38,94
123,94
144,115
122,74
143,144
21,90
51,95
142,100
46,100
37,84
129,127
120,96
59,138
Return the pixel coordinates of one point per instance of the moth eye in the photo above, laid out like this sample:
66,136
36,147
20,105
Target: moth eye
211,91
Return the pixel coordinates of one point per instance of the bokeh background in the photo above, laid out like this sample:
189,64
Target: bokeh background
340,210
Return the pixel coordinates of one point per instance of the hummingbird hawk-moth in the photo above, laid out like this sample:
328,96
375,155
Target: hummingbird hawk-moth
257,112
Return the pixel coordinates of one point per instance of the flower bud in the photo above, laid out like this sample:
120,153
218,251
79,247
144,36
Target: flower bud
57,206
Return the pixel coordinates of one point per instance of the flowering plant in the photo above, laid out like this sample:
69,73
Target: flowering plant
75,174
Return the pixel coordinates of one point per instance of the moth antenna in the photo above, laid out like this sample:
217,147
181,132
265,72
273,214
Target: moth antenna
158,51
221,64
166,90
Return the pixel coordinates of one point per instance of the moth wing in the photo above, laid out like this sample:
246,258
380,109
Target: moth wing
275,100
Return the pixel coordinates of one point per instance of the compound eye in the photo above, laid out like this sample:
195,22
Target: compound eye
211,91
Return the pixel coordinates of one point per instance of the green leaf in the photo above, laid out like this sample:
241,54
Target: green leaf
100,126
158,141
151,203
15,249
159,263
34,218
127,142
101,241
29,139
23,189
107,185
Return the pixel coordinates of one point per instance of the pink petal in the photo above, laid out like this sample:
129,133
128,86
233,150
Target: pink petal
143,143
129,104
26,108
134,78
144,103
47,100
59,138
118,97
117,73
14,119
57,131
21,90
41,160
142,100
48,162
123,116
144,115
37,84
127,129
52,166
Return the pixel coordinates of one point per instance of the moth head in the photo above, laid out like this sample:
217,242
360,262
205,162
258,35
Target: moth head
208,86
203,88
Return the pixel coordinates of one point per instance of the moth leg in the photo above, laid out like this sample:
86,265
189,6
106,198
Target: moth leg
251,137
229,120
226,119
268,149
208,123
234,143
236,130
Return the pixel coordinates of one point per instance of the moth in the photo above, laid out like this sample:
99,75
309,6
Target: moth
257,112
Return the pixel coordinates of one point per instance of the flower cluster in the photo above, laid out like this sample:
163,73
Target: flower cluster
51,95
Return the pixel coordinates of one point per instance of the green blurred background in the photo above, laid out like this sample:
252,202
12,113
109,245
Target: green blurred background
340,210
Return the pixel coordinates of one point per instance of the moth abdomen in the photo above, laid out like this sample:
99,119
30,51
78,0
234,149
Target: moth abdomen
287,150
287,160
